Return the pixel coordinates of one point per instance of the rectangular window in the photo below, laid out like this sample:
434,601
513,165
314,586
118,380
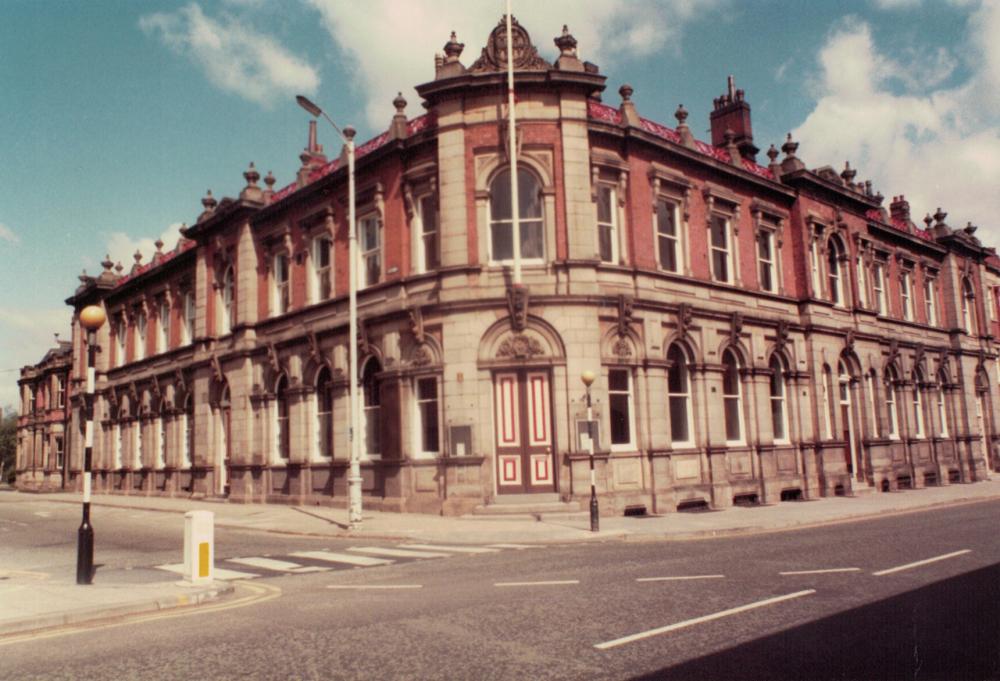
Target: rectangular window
282,286
60,392
607,245
189,312
619,407
930,301
765,259
60,453
878,284
870,389
140,335
371,250
120,331
667,237
163,327
430,256
322,252
859,270
905,296
719,249
427,408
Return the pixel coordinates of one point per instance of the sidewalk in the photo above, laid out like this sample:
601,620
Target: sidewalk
30,602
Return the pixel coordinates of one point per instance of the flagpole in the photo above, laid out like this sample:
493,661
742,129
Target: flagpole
512,138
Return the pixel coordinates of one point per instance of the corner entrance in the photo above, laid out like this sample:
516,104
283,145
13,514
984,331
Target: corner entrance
524,440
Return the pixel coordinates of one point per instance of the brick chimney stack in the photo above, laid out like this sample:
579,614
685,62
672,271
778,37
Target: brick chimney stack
899,209
732,112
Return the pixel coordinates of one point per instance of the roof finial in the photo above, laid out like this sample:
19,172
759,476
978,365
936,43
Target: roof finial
453,48
251,175
848,173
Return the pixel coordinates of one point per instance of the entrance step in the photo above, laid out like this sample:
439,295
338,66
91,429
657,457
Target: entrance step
526,506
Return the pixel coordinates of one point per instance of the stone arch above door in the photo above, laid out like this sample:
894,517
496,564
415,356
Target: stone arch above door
537,343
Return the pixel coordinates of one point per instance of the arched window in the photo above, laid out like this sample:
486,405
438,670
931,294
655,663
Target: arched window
779,407
732,397
529,210
188,423
281,401
870,386
890,403
918,404
117,437
160,425
679,397
835,284
942,404
372,401
968,307
324,413
228,300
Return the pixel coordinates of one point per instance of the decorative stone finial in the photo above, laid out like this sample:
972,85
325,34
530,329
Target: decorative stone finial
681,115
939,216
269,181
251,175
349,132
790,146
848,173
970,229
566,43
398,127
734,151
928,220
399,102
209,202
119,268
772,153
107,264
626,91
159,245
453,48
137,256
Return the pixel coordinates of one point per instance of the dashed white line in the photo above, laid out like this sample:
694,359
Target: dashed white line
334,557
451,549
516,546
551,582
918,563
374,587
276,565
699,620
396,553
825,571
678,578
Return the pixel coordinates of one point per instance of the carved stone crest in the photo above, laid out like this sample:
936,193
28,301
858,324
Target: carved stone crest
422,356
519,346
622,348
517,305
494,55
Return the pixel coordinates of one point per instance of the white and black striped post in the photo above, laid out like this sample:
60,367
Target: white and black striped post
595,517
91,318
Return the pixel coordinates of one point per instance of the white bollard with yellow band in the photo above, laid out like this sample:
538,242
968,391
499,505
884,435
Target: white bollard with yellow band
199,547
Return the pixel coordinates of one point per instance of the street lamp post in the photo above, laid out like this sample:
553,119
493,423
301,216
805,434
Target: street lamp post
91,318
354,476
595,522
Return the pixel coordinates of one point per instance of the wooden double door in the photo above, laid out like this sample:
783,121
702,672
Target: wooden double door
524,437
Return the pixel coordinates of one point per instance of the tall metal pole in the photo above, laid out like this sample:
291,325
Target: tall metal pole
595,523
354,479
512,152
91,319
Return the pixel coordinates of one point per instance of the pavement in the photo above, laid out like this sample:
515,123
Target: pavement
32,602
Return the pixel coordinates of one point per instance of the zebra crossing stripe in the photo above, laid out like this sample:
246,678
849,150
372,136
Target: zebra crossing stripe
453,549
516,546
396,553
333,557
218,573
275,565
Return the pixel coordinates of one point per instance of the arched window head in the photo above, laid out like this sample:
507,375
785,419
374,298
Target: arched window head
679,396
731,397
372,404
779,407
530,213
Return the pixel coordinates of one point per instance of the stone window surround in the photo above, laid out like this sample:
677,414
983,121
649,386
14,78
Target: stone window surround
675,189
611,170
768,218
719,202
419,183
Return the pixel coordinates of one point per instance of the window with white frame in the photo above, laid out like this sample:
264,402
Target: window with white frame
60,392
428,243
720,249
370,252
324,414
668,242
188,428
870,384
878,285
968,307
906,295
767,273
918,405
942,405
814,265
120,332
530,213
282,436
372,405
60,452
188,310
163,326
228,312
732,401
607,223
859,272
835,282
890,403
321,287
779,404
117,440
620,408
428,430
161,439
679,397
140,334
282,286
930,300
828,407
138,444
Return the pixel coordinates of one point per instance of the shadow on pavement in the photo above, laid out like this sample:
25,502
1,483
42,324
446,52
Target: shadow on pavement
949,630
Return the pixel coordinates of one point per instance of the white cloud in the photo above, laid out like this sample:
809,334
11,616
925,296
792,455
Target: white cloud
235,57
940,146
896,4
26,334
8,235
121,247
606,30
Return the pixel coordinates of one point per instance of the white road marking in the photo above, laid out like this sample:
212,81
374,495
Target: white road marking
374,586
679,578
276,565
918,563
455,549
332,557
218,573
825,571
43,514
396,553
516,546
699,620
551,582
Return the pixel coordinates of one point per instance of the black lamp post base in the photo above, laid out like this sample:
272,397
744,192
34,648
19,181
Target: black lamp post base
85,555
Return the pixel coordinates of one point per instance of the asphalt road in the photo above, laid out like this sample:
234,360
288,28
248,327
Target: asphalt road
611,610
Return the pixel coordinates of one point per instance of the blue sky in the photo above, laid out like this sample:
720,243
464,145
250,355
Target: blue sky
117,116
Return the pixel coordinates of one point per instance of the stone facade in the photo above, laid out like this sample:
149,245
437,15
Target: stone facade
759,333
44,441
